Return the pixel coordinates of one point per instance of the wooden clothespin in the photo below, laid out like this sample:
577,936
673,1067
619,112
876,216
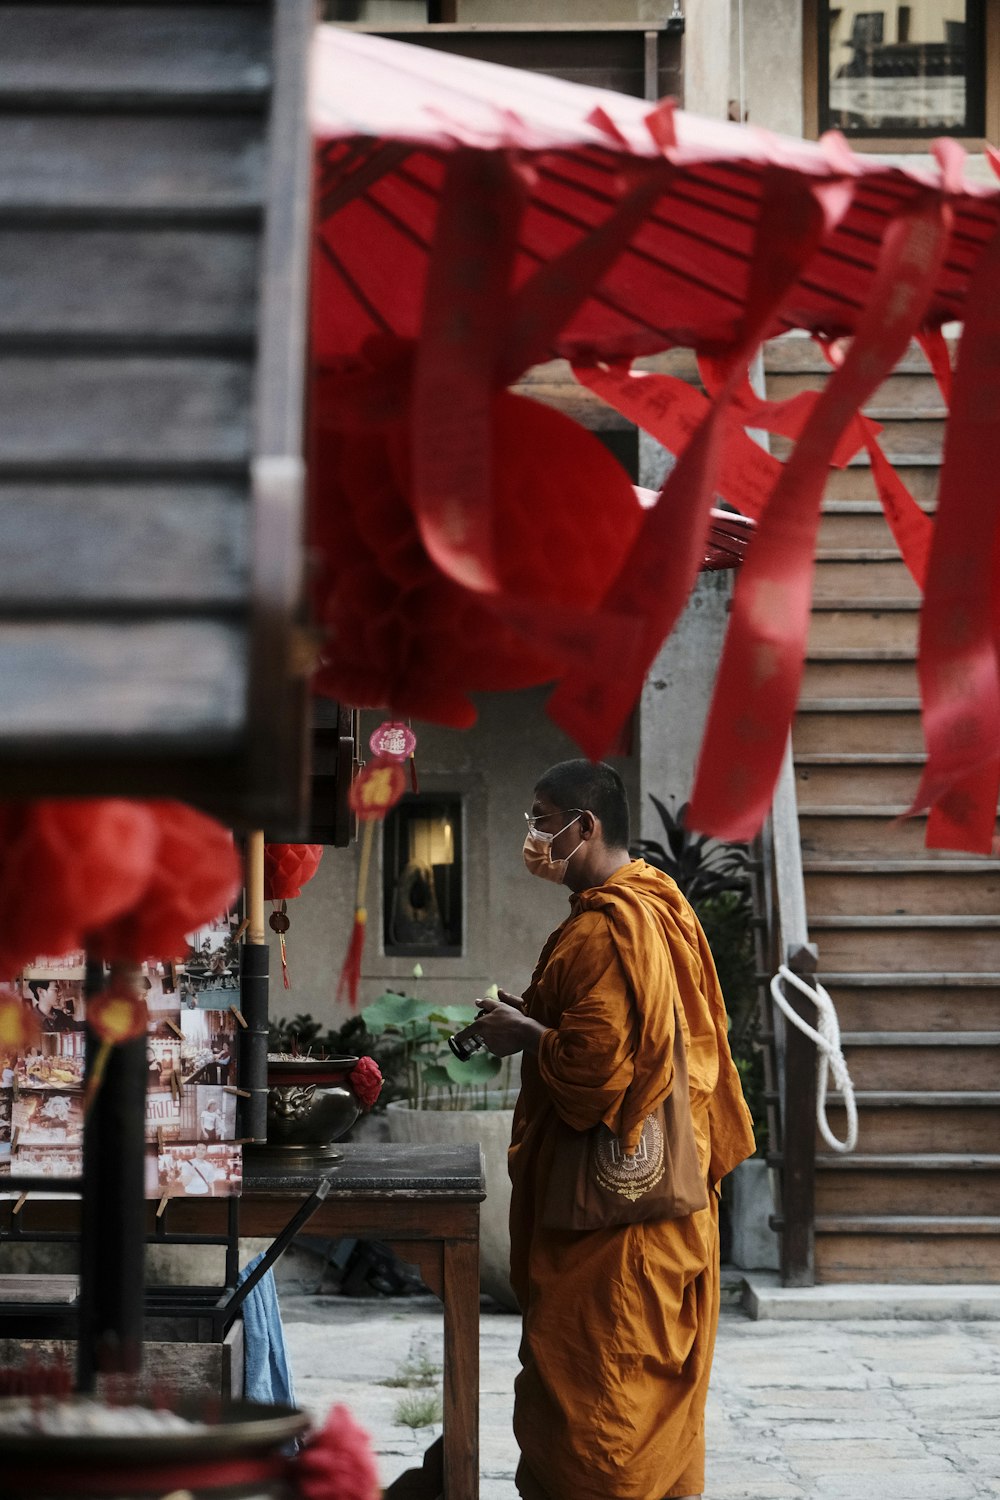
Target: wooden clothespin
162,1206
14,1142
20,1203
176,1085
241,929
239,1016
175,1028
159,1139
228,1088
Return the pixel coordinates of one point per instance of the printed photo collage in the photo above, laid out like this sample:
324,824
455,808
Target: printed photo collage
190,1127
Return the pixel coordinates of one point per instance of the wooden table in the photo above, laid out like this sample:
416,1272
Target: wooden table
423,1201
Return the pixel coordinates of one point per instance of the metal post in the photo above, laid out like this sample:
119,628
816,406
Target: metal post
112,1223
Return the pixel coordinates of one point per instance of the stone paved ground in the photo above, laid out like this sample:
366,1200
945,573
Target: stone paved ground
899,1410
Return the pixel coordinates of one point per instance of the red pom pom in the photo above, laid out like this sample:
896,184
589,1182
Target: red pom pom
338,1463
195,876
366,1081
287,868
66,867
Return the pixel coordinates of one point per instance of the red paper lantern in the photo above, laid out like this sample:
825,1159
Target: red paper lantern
68,867
288,867
194,875
400,633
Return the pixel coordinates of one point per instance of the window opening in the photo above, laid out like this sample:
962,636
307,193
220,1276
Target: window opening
422,877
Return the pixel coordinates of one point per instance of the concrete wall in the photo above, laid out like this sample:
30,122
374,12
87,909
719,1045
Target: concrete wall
772,63
493,767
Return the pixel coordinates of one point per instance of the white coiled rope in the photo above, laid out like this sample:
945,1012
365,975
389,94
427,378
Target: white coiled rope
832,1064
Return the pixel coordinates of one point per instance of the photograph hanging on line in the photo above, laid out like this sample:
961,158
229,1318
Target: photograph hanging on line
61,966
207,1114
57,1004
208,1047
42,1161
47,1119
163,1059
56,1062
162,1004
209,976
200,1171
163,1117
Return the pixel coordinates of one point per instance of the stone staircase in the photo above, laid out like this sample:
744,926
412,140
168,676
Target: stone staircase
907,937
154,191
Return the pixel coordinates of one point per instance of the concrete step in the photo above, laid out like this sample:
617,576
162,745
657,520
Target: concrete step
765,1299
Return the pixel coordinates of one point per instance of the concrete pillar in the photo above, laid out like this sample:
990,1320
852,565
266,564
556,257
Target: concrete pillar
706,57
678,689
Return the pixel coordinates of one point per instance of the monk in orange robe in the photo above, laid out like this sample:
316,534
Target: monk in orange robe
619,1323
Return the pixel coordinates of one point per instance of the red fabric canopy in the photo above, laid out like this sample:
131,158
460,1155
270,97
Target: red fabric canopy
473,220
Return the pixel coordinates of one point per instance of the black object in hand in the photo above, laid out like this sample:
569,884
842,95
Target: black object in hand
465,1042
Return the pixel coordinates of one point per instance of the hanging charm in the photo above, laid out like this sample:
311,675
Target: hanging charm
115,1016
279,923
376,789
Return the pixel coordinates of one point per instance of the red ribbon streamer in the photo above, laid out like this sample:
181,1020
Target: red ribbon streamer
660,571
757,687
959,676
454,377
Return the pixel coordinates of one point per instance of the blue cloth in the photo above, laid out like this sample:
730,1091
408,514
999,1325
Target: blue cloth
266,1374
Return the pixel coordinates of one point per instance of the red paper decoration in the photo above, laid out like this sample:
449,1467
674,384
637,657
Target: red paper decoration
194,873
288,867
337,1461
366,1082
67,867
117,1016
376,789
125,880
402,634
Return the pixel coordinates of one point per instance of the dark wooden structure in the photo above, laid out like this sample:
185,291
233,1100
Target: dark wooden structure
154,217
631,57
421,1200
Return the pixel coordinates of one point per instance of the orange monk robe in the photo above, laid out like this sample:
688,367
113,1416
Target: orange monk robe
619,1324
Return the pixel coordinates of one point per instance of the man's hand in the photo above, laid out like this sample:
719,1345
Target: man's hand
505,1028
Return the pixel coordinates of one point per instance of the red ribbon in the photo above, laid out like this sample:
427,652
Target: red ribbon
958,667
660,571
757,687
454,377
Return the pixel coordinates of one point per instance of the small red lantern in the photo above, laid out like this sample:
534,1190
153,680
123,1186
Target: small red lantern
287,868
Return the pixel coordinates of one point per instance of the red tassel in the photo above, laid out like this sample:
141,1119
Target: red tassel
350,974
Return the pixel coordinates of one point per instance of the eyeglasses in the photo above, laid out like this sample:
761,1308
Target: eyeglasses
533,822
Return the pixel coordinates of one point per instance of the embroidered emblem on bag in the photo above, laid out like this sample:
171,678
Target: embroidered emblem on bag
630,1174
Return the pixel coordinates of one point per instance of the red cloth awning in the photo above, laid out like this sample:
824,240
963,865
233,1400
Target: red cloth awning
473,220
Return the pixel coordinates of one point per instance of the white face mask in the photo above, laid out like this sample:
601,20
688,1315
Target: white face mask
537,853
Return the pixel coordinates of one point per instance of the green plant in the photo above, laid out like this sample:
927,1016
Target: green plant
432,1077
418,1372
419,1409
715,878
